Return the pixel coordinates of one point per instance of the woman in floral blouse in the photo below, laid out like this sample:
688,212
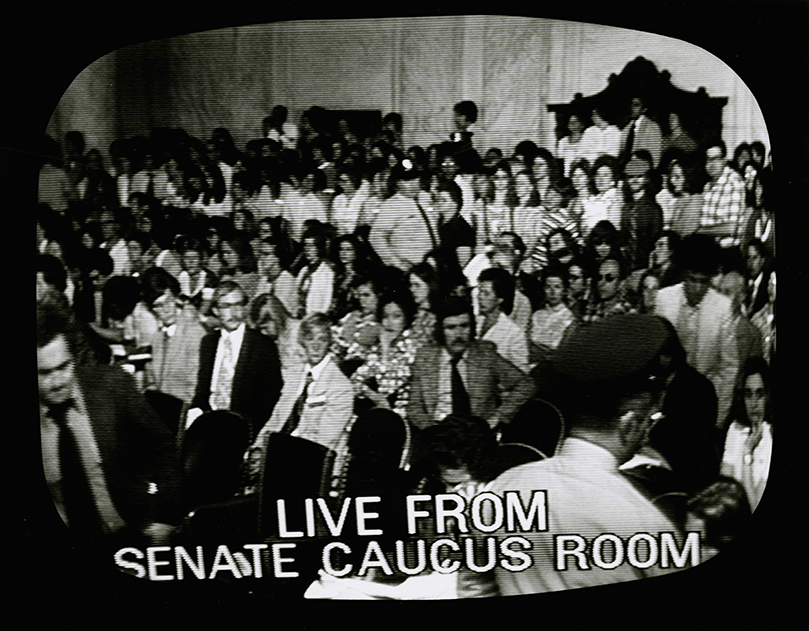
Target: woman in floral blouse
384,378
359,330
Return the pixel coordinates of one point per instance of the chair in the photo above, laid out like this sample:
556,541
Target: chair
510,455
169,408
539,424
294,469
212,453
378,447
662,487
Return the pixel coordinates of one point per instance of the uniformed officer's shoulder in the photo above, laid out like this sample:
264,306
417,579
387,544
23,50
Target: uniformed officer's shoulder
524,477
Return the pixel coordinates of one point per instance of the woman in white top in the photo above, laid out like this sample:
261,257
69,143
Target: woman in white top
608,201
345,209
549,324
748,445
571,147
316,279
379,191
305,203
601,139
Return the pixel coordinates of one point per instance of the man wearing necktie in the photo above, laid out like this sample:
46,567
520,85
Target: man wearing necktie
175,346
239,368
641,134
464,376
109,462
317,400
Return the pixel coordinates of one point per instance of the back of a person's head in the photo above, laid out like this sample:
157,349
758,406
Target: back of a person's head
462,442
699,253
608,362
155,281
53,272
724,509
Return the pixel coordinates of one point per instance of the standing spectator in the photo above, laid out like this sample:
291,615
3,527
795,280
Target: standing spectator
703,317
641,134
571,146
175,346
678,139
316,279
642,220
404,232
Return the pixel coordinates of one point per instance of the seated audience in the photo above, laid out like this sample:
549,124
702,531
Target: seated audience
495,296
462,376
316,402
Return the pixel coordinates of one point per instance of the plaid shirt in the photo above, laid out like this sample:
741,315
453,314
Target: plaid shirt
723,200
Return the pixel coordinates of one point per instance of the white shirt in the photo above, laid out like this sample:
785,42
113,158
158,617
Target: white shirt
119,253
510,340
315,370
733,458
444,406
345,210
549,325
236,339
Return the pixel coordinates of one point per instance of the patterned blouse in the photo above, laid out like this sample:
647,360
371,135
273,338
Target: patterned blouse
423,328
392,374
354,335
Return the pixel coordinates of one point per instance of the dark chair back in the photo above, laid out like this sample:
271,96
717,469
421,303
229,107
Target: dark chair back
169,408
294,469
539,424
212,451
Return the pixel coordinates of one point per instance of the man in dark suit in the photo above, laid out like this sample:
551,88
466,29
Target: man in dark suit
110,463
464,376
239,368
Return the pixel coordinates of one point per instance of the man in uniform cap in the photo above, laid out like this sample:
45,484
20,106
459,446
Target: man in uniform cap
613,374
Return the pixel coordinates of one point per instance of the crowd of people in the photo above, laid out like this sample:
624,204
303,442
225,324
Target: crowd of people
317,276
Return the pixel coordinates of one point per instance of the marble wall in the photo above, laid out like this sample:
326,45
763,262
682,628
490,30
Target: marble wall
511,66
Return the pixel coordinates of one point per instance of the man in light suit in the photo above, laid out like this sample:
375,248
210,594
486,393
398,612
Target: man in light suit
463,376
317,401
175,346
703,318
239,368
641,134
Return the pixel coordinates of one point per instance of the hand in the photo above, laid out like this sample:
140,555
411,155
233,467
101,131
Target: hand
378,399
159,533
193,414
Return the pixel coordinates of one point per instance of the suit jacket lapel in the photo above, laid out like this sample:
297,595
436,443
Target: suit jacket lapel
434,379
242,362
475,376
207,359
